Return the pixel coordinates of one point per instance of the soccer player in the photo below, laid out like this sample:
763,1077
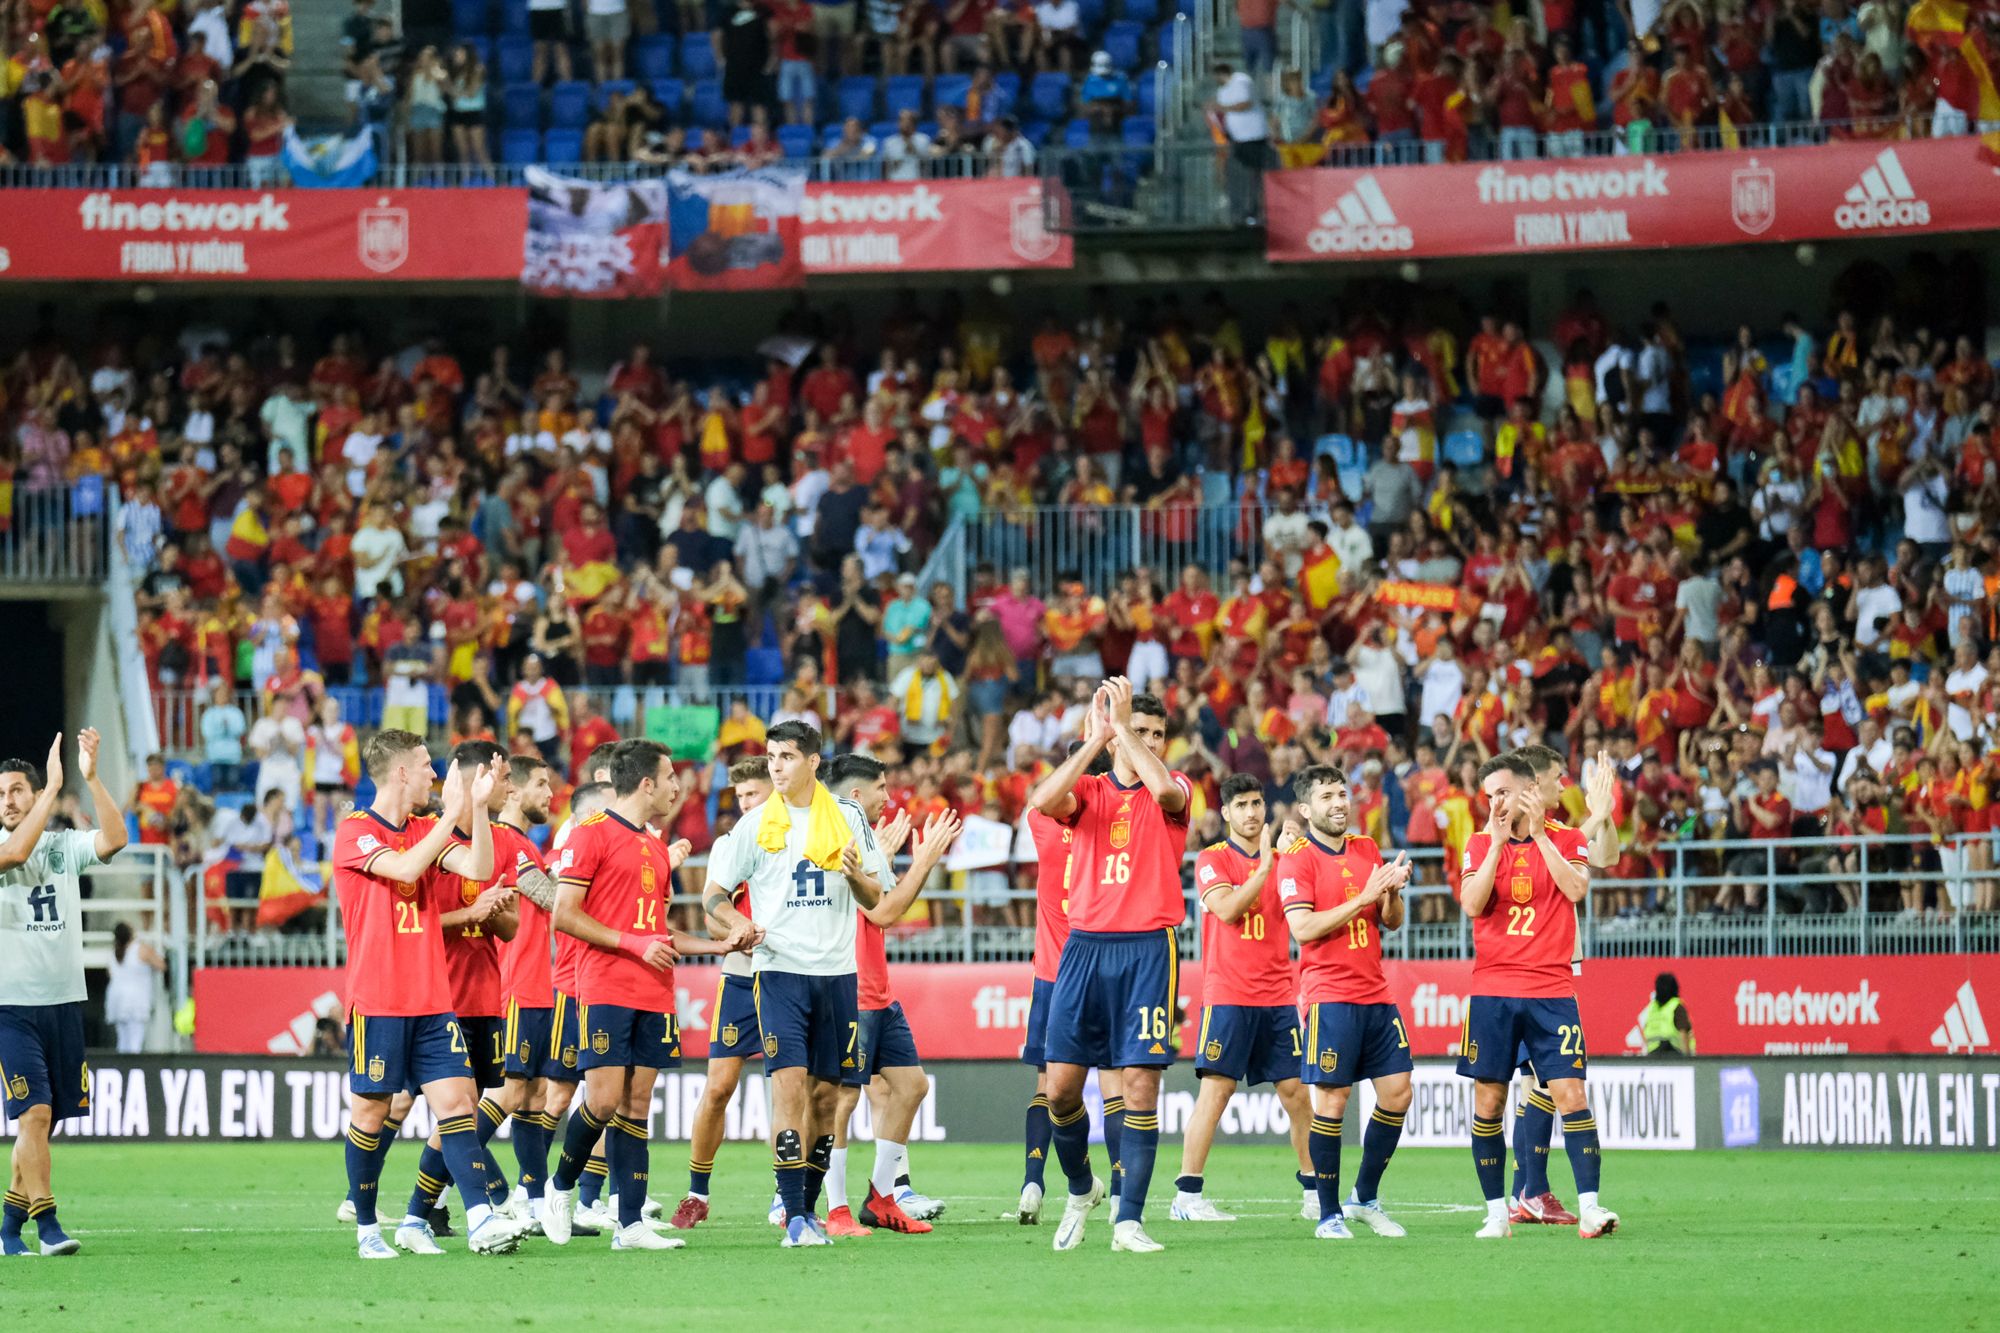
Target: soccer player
1250,991
1529,1199
615,888
401,1032
732,1028
1339,897
42,1068
805,860
526,982
1520,883
890,1069
1116,987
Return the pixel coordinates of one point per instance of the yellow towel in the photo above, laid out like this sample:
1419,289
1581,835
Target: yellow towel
827,834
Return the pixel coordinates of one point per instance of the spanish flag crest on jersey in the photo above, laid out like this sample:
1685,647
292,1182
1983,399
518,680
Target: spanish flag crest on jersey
1523,888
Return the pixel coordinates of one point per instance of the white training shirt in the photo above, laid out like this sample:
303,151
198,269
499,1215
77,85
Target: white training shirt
41,939
807,914
733,964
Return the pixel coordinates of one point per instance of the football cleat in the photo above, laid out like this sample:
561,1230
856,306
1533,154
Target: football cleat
1370,1215
1594,1222
920,1206
1545,1209
1076,1211
495,1234
1194,1208
556,1216
1332,1228
440,1220
1495,1228
13,1247
1130,1237
650,1210
373,1246
594,1220
61,1245
890,1216
691,1213
1309,1208
800,1233
777,1214
414,1237
1029,1212
345,1213
840,1224
640,1236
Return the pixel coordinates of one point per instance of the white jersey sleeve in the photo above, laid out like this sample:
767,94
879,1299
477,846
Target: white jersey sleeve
721,857
807,914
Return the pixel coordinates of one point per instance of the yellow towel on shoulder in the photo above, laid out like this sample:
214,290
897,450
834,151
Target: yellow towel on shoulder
827,833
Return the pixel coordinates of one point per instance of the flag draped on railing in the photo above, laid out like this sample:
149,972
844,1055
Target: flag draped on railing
330,162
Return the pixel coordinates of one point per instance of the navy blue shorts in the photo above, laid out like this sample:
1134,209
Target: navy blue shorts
810,1021
526,1042
392,1054
1115,1000
1038,1023
564,1041
1346,1043
886,1037
1500,1029
41,1059
732,1026
613,1036
486,1047
1250,1043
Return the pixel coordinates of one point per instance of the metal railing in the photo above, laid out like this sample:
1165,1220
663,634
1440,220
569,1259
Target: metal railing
57,534
142,888
1097,543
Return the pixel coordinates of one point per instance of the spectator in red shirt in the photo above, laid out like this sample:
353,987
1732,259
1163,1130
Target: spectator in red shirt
828,385
1763,815
1389,104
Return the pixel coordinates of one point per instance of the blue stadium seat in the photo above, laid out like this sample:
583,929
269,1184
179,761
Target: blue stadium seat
739,136
927,128
951,90
1342,448
181,771
1076,134
1121,43
653,58
903,92
521,106
697,56
1090,17
672,96
515,60
1008,84
1322,82
1049,96
763,666
204,777
855,97
569,105
518,148
1036,132
710,111
1142,12
601,95
514,18
562,147
796,140
439,710
480,46
1148,93
1464,448
1137,131
470,18
829,135
881,130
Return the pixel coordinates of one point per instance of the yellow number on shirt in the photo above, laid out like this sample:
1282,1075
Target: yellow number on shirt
409,921
1520,921
1572,1038
1402,1037
1152,1023
1253,926
457,1039
1357,933
649,915
1117,868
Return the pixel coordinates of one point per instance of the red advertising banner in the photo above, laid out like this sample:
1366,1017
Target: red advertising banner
885,226
262,236
1858,189
1847,1005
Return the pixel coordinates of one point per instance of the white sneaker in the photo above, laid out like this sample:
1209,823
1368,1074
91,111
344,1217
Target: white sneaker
639,1236
416,1237
599,1217
1309,1209
777,1214
1496,1228
372,1245
1131,1238
801,1234
556,1216
518,1204
1370,1215
920,1206
495,1234
1029,1212
1595,1221
1076,1211
345,1213
1195,1208
650,1210
1332,1228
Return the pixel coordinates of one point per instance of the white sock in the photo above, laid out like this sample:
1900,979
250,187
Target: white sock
1586,1199
476,1216
412,1220
836,1180
693,1195
363,1230
1496,1210
888,1165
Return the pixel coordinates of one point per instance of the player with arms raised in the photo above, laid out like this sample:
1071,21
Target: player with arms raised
1339,897
526,981
1115,996
805,861
1250,991
1520,884
401,1031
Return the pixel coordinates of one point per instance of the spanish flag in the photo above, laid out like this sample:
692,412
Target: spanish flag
1944,25
1319,578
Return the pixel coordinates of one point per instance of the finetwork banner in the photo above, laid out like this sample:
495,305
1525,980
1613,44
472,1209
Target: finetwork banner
1825,192
935,225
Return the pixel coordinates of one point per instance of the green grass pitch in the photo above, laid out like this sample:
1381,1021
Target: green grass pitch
215,1235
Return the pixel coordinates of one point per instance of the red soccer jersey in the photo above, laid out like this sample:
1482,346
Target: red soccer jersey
471,953
1248,960
1346,966
1523,942
395,946
1127,858
525,975
1052,873
625,878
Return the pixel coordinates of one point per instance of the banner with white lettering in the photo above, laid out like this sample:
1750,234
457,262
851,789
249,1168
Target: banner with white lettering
890,226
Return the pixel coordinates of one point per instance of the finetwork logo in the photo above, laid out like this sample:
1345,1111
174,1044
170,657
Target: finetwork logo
1360,222
1882,198
1963,1027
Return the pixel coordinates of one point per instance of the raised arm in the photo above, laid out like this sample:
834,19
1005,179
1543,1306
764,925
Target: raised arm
940,830
474,860
111,835
21,842
1228,902
1475,889
1307,925
1055,795
1157,777
866,888
1598,826
408,865
1571,879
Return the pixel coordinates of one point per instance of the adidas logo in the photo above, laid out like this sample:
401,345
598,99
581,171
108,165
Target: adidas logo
1360,222
297,1038
1882,198
1963,1025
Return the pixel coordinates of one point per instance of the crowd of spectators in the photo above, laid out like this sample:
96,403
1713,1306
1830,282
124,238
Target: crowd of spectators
1760,574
